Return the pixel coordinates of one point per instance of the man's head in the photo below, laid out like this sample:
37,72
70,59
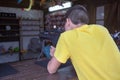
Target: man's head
75,16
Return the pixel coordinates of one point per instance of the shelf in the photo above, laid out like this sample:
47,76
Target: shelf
29,25
29,35
2,36
8,24
7,52
10,18
30,19
30,30
8,30
9,38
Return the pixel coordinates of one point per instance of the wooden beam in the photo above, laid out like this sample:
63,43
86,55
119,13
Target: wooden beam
23,4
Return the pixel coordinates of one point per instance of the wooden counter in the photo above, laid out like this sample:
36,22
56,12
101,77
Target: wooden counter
28,70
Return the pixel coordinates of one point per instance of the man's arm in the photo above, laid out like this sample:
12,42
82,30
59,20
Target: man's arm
53,65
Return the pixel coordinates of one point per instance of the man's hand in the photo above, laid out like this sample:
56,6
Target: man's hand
52,50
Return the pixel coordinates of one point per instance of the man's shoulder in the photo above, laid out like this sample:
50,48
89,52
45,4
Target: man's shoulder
66,32
97,26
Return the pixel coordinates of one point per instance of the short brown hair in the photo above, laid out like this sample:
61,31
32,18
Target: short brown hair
78,14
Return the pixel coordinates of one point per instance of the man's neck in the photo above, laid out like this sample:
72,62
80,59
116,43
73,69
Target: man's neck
79,25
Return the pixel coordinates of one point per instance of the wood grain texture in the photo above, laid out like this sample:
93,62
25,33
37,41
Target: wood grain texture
28,70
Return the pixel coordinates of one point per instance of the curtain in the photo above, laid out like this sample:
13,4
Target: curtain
112,16
92,14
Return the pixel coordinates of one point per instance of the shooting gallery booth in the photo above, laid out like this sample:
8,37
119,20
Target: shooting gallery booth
28,26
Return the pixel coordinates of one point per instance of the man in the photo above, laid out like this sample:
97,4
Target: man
91,48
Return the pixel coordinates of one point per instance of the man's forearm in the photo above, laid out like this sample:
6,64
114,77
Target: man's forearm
53,65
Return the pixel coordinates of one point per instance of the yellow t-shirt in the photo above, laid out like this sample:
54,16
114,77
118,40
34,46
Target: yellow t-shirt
92,51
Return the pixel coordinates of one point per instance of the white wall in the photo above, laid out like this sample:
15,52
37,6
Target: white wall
32,14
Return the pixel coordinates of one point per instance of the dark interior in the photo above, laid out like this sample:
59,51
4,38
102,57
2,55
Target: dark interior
28,47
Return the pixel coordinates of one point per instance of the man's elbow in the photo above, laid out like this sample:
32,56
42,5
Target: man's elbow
51,71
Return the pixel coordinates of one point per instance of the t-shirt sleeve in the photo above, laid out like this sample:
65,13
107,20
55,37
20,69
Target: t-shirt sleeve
62,53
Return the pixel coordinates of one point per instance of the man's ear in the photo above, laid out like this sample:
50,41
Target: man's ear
68,21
